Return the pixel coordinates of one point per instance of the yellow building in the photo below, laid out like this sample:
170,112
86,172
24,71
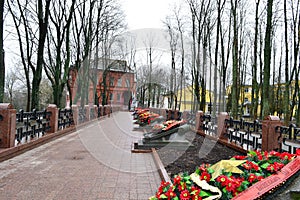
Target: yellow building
187,98
245,98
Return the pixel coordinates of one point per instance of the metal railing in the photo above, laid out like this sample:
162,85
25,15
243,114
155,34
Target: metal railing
289,138
31,124
81,115
65,118
209,125
247,135
191,118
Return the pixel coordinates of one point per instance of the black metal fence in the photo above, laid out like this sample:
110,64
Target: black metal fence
245,134
191,118
92,113
65,118
209,125
81,115
31,124
289,138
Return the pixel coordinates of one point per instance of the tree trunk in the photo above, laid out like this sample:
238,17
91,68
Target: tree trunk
267,60
287,81
234,89
254,98
2,64
37,74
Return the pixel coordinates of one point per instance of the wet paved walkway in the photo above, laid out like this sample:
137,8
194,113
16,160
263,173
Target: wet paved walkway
93,163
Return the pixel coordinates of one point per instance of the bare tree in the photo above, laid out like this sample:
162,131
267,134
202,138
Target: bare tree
173,40
180,27
2,66
255,89
267,60
43,17
200,12
59,53
32,43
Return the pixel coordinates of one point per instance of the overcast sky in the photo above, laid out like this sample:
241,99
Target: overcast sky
146,13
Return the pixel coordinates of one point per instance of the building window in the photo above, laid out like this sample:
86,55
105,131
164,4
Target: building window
111,81
246,90
111,97
119,84
127,83
119,97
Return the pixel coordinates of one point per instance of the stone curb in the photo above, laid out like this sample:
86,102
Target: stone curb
161,169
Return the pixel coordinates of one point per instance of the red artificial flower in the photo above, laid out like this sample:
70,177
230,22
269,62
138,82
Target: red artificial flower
271,168
205,176
259,178
286,156
198,197
274,153
230,186
278,166
185,195
163,186
170,194
240,157
182,187
266,154
223,180
254,166
251,165
195,192
259,155
158,193
252,178
246,166
202,168
176,180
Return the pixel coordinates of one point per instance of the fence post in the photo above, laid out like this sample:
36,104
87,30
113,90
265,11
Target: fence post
7,125
185,115
163,112
270,139
53,118
75,112
101,110
221,125
87,112
198,120
95,111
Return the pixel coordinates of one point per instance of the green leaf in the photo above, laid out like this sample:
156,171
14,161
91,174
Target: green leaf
210,170
245,183
175,198
253,153
163,196
224,190
186,178
204,194
265,165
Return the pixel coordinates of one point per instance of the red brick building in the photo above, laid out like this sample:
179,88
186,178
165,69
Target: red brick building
111,82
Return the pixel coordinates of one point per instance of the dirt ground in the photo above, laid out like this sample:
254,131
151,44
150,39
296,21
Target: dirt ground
178,160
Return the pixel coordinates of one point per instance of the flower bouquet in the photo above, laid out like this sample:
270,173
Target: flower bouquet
167,125
227,179
145,117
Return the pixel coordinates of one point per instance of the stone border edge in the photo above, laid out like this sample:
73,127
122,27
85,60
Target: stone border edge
161,169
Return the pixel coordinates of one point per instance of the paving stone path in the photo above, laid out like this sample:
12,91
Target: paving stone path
95,162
